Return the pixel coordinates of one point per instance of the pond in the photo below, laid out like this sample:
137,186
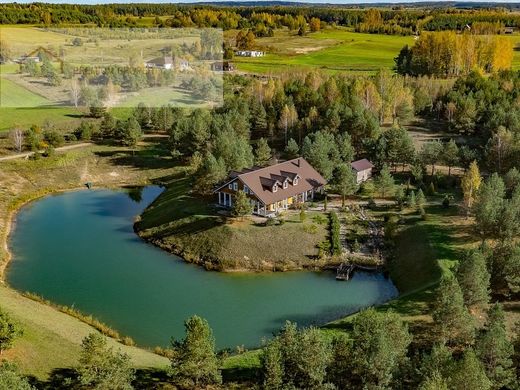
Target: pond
79,249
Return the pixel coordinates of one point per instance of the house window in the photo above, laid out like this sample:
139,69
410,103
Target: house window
230,186
275,188
295,181
235,186
285,184
246,189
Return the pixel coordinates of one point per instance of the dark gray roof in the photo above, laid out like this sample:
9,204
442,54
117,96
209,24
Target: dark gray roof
361,165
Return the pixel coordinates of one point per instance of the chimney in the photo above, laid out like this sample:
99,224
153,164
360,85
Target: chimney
298,162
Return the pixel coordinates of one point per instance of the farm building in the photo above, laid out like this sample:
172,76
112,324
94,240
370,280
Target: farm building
363,169
274,188
168,63
222,66
249,53
165,62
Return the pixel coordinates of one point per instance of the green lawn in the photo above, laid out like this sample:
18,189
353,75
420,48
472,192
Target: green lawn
20,107
52,339
332,49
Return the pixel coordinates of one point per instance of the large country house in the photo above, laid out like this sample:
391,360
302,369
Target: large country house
274,188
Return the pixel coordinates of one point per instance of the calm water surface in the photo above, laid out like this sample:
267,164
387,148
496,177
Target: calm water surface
79,249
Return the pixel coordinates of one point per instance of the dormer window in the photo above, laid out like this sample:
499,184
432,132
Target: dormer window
295,181
275,187
285,184
235,186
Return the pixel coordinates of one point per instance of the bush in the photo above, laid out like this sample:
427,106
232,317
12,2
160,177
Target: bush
311,229
371,204
424,215
335,242
320,219
270,221
54,138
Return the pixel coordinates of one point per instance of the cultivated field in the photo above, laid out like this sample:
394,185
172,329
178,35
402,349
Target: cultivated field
333,49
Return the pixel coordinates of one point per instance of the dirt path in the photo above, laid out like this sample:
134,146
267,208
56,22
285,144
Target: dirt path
60,149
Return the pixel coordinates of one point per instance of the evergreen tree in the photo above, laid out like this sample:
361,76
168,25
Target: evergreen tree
450,155
101,367
10,378
440,360
473,277
345,182
108,126
385,182
241,205
262,152
453,322
272,366
9,330
379,347
469,374
194,361
495,351
292,149
412,203
131,132
420,200
399,196
435,381
211,172
488,209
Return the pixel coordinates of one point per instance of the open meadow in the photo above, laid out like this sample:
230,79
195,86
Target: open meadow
332,49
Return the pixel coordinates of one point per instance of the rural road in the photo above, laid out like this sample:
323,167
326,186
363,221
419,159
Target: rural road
60,149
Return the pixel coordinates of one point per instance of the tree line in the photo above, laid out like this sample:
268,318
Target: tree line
396,20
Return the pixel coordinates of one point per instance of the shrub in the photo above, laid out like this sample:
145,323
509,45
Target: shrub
54,138
371,204
335,242
270,221
311,229
320,219
323,249
128,341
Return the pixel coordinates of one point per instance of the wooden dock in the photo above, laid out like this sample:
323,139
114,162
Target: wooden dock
346,270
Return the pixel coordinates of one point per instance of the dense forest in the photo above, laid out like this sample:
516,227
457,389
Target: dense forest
261,19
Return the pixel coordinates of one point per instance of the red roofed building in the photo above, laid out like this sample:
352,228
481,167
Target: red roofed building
274,188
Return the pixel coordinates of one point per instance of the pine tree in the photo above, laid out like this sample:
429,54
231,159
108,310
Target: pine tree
344,182
450,155
473,277
385,182
292,149
469,374
453,322
103,368
412,203
434,382
131,132
272,366
495,351
10,378
194,362
241,205
420,200
9,330
262,152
